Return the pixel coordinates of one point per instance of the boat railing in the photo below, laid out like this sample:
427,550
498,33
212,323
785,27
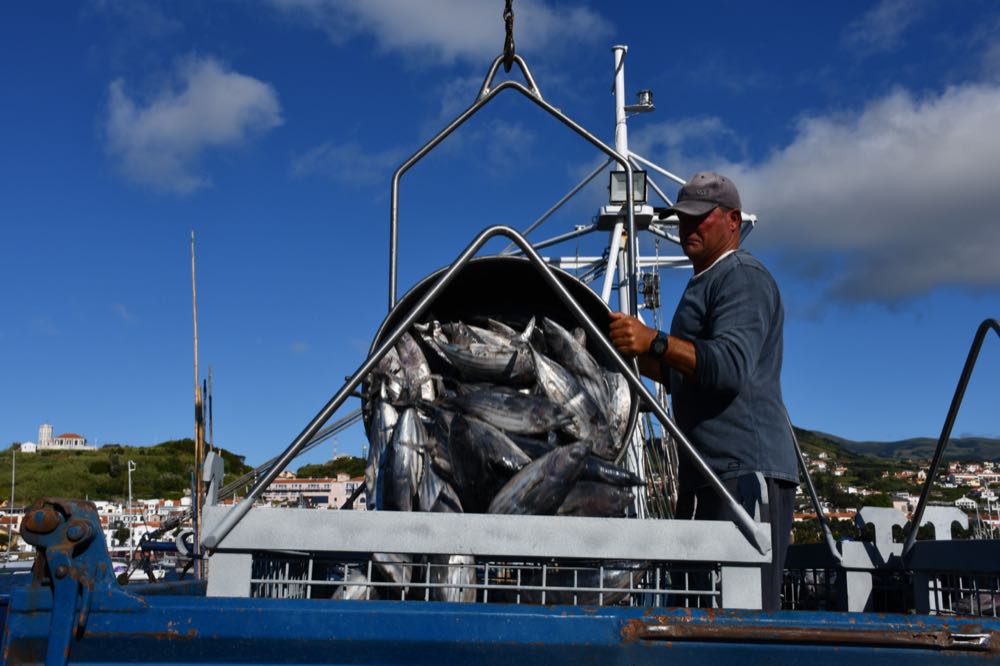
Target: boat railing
934,575
949,422
308,553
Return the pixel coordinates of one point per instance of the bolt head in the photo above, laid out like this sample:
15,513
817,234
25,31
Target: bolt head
42,519
76,532
61,571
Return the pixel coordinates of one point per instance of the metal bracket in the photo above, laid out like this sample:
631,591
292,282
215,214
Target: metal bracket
882,519
213,473
491,74
73,560
941,517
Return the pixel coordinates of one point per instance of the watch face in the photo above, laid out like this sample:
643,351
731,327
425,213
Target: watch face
659,345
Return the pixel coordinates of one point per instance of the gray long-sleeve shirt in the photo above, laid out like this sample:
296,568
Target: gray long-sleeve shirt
731,409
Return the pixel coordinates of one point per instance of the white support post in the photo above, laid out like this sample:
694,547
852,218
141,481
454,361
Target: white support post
231,573
741,587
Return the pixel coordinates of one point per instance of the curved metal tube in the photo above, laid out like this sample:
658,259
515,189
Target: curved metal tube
488,81
824,522
949,422
755,534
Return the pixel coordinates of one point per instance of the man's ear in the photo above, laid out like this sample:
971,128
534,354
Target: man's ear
736,218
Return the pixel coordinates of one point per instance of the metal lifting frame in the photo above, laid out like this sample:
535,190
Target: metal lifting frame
751,530
755,533
486,94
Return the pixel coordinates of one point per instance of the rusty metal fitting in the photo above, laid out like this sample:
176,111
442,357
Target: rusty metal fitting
77,531
61,571
42,519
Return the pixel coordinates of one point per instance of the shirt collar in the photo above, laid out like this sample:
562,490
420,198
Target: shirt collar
721,257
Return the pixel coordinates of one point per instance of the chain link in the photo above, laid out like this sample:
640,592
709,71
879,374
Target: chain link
508,44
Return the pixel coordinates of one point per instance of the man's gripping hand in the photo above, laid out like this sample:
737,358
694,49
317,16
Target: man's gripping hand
630,335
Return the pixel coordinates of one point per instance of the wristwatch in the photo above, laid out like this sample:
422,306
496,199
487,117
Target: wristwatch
658,347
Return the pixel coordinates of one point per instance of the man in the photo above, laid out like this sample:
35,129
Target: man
721,363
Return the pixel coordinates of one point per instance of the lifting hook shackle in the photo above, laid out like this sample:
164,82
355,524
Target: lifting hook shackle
508,44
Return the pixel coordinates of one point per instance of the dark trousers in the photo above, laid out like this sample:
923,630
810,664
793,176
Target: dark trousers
773,503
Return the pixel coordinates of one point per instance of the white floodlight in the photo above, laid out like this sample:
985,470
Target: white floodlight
619,193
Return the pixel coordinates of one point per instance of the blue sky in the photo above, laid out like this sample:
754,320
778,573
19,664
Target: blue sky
864,136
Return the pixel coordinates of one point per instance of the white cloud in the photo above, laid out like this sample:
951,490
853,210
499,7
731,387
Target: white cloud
991,62
44,325
881,28
500,146
673,143
447,30
349,163
904,190
159,143
122,311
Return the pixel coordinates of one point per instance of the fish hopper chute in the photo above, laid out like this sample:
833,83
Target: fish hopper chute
508,290
499,287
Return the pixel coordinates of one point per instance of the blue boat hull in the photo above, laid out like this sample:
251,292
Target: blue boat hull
126,628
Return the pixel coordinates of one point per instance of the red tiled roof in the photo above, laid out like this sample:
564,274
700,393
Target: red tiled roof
69,435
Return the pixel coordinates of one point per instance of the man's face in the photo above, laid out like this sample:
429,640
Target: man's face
704,237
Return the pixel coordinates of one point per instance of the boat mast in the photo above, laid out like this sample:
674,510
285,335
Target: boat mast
199,422
10,526
619,237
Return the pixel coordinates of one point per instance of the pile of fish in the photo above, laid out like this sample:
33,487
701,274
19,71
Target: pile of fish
493,419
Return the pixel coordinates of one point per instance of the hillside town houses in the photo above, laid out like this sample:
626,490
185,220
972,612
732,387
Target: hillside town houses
343,491
288,490
125,523
978,477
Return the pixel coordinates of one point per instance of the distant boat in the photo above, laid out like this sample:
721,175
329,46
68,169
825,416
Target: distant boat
136,573
16,566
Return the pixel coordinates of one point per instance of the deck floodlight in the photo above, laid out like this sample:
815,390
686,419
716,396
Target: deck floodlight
643,102
618,191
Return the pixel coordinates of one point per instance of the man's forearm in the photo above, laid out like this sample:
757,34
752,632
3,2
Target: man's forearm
651,367
680,356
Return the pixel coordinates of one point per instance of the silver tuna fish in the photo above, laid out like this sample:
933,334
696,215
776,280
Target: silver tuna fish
596,499
541,487
454,577
405,464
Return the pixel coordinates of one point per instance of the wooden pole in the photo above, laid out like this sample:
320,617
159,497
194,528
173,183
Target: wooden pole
199,422
211,432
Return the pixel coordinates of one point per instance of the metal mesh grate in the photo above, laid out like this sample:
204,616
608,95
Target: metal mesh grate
892,592
480,580
952,593
810,589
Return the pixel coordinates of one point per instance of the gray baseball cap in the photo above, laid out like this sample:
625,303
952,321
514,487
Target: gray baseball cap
703,192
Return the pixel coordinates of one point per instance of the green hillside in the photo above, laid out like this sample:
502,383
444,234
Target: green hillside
162,471
959,448
330,469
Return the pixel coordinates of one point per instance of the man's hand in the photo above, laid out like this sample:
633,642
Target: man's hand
630,335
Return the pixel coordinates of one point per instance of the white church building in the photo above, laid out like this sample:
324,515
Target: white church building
69,441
